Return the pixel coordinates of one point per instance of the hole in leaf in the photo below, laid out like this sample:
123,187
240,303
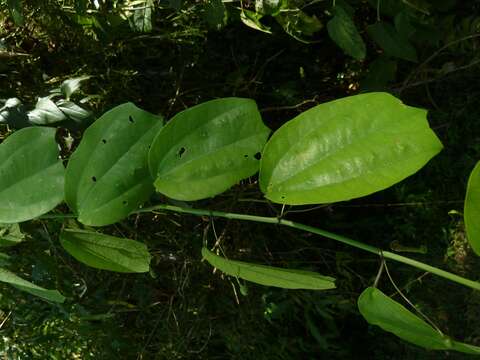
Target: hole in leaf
94,179
258,155
245,156
181,151
104,141
130,118
124,202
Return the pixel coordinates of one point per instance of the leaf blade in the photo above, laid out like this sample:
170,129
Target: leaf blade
472,209
344,33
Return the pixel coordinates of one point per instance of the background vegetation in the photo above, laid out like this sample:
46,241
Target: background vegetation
168,55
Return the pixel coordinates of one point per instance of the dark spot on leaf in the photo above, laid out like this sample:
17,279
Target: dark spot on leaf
104,141
94,179
130,118
181,151
245,156
258,155
124,202
283,197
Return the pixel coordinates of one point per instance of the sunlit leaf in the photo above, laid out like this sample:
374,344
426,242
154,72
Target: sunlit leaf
70,86
106,252
45,113
269,7
73,111
10,234
252,19
107,176
346,149
141,20
208,148
31,174
16,12
394,44
24,285
269,275
378,309
472,209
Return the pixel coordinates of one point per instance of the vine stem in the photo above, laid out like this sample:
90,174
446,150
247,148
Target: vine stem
343,239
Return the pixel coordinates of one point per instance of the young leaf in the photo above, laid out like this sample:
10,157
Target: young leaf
31,174
69,86
207,148
252,19
343,31
346,149
45,113
269,275
24,285
391,41
73,111
10,234
378,309
472,209
106,252
299,25
269,7
107,176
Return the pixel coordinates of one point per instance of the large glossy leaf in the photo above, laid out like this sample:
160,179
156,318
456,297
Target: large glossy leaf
472,209
107,175
206,149
346,149
387,37
378,309
269,275
24,285
343,31
31,175
10,234
106,252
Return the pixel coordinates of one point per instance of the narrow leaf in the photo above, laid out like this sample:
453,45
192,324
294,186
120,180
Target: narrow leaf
31,174
106,252
268,275
343,31
346,149
206,149
378,309
472,209
107,176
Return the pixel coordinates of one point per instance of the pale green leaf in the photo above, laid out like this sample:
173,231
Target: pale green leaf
10,234
31,174
252,20
208,148
343,31
269,275
45,113
73,111
346,149
106,252
107,176
70,86
472,209
378,309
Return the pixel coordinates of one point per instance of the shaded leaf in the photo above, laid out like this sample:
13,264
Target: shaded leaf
299,25
208,148
391,41
215,13
252,19
24,285
346,149
31,174
45,113
472,209
106,252
269,275
378,309
16,12
381,71
10,234
107,176
70,86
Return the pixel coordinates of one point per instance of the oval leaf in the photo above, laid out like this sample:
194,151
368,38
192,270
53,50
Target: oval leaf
378,309
31,175
346,149
206,149
472,209
268,275
391,41
106,252
107,176
343,31
24,285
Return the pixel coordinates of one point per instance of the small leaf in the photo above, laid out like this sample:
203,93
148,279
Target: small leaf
269,275
391,41
215,13
70,86
343,31
252,19
107,176
268,7
16,12
472,209
73,111
10,234
45,113
31,174
24,285
106,252
299,25
378,309
346,149
141,20
208,148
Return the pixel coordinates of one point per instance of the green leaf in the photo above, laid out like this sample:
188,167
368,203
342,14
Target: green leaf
215,13
269,275
46,113
268,7
73,111
252,19
388,7
299,25
472,209
381,71
106,252
391,41
70,86
107,176
343,31
10,234
141,20
24,285
207,148
31,175
16,12
346,149
378,309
